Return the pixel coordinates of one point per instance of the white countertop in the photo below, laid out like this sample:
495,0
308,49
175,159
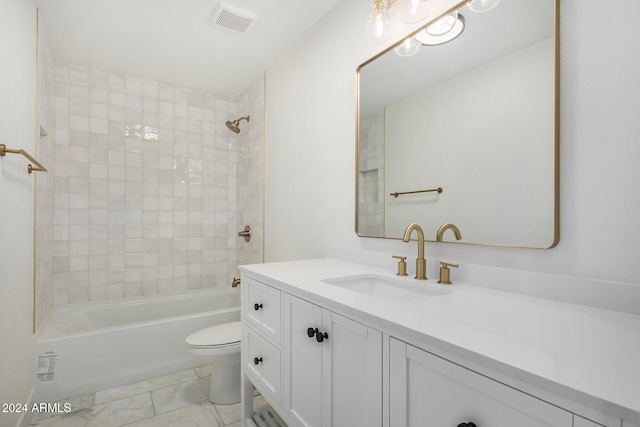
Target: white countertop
586,354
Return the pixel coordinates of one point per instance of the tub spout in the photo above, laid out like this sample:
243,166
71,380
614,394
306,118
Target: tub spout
235,283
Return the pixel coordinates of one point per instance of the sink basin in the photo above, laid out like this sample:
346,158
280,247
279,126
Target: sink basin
386,288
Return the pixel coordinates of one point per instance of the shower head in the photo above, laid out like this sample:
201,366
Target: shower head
235,125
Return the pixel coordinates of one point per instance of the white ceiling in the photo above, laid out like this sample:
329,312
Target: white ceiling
174,41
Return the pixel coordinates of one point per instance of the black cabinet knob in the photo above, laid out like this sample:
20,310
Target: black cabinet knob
466,425
321,336
257,306
256,360
311,332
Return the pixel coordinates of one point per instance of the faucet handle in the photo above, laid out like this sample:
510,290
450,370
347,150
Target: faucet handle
402,265
445,272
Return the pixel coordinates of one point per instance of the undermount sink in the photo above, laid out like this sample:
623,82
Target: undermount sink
386,288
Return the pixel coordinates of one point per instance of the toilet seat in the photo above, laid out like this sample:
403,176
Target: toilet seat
223,336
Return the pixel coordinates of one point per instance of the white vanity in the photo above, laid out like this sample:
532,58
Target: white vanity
337,344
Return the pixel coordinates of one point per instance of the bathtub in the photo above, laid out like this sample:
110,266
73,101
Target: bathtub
86,347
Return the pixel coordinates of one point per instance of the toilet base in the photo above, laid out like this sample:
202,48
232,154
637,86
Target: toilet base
225,381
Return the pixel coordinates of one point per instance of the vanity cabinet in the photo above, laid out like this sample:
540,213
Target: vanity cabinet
320,367
332,368
428,390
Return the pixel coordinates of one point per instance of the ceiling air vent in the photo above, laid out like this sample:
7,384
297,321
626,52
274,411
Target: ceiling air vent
232,18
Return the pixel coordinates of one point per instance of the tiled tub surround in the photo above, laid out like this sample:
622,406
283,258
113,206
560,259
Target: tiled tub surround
250,173
145,187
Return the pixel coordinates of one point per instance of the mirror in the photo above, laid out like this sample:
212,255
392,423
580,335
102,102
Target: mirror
477,117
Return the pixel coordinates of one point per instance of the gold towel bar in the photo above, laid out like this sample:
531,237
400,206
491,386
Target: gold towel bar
396,194
4,150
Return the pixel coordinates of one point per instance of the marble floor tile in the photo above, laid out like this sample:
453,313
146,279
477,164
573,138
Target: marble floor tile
180,395
201,414
231,413
78,403
114,414
204,370
144,386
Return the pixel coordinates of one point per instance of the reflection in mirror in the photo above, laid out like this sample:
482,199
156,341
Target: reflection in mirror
476,117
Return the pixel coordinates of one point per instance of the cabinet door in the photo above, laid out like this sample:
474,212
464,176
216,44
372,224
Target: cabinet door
352,373
302,362
429,390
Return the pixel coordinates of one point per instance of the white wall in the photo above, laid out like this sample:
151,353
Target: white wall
311,155
17,130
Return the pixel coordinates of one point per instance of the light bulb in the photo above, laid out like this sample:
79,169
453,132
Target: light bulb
482,5
443,25
409,47
412,11
377,26
427,39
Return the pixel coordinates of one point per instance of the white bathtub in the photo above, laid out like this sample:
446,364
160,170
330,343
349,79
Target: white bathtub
104,344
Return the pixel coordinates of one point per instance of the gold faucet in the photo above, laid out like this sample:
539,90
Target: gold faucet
421,263
445,227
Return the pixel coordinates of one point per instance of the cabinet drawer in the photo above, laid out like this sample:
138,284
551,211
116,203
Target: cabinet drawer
429,390
262,360
262,308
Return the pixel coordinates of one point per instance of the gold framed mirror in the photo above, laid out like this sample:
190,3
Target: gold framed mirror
476,117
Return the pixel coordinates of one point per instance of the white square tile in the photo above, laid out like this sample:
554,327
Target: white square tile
116,99
133,85
80,123
99,79
117,83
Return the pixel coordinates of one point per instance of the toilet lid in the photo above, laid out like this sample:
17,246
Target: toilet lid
218,335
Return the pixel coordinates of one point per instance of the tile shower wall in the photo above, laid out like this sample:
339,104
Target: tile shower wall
250,172
145,187
371,179
44,182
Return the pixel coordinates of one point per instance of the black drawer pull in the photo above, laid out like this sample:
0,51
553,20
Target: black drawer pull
311,332
466,425
321,336
257,306
256,361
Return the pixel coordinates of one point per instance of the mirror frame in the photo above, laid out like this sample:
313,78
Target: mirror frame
556,150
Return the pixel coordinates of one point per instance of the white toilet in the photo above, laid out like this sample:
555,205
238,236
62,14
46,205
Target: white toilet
220,346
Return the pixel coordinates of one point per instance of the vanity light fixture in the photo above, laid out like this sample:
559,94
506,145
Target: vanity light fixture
409,47
443,30
482,5
378,18
377,26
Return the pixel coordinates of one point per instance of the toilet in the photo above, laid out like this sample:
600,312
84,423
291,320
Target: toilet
219,345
